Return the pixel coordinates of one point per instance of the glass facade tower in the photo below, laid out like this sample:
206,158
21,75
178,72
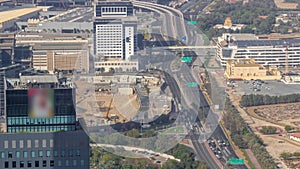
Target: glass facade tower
18,118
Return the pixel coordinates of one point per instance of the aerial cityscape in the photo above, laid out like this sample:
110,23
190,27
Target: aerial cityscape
150,84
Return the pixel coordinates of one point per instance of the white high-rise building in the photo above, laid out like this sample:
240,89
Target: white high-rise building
115,30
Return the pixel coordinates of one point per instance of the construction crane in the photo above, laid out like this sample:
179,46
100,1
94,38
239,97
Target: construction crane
107,113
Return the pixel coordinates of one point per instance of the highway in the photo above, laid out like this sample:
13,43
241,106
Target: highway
173,18
189,98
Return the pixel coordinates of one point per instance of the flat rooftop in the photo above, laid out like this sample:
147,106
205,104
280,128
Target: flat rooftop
114,3
281,42
39,79
13,14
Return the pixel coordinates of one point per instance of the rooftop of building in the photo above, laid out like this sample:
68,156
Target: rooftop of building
296,135
237,37
112,19
115,3
244,63
280,42
245,40
16,13
39,79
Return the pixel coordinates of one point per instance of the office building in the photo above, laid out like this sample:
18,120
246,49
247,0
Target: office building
56,51
267,52
115,30
247,69
42,131
21,115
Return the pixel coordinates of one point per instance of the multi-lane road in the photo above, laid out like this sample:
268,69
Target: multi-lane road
176,28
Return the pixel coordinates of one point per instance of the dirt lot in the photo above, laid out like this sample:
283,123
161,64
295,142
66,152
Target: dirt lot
275,144
284,114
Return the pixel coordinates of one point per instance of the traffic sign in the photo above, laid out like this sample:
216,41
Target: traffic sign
183,38
192,22
186,59
192,84
236,161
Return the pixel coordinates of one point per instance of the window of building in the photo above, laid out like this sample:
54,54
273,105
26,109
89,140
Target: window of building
2,154
14,164
41,153
70,153
37,164
18,154
10,154
21,144
62,153
36,143
51,143
6,164
48,153
28,143
81,162
44,144
13,144
55,153
25,154
78,152
5,144
74,163
67,163
59,163
32,154
51,163
29,164
21,164
44,163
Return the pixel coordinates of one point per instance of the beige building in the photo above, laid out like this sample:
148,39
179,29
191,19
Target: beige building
247,69
57,52
229,25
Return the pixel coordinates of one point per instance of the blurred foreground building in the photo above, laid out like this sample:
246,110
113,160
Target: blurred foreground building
42,131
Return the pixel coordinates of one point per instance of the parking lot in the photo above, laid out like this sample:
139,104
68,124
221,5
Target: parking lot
272,88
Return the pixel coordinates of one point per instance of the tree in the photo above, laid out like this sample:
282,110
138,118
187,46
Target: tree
133,133
268,130
288,128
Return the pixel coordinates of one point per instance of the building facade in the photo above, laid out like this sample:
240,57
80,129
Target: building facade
42,131
21,106
56,150
56,52
263,51
115,30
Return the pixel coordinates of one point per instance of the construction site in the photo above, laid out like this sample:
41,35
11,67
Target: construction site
105,100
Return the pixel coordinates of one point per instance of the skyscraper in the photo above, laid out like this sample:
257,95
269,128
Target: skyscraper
115,30
42,131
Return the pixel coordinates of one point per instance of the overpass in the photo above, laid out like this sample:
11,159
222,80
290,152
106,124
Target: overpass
171,12
188,47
